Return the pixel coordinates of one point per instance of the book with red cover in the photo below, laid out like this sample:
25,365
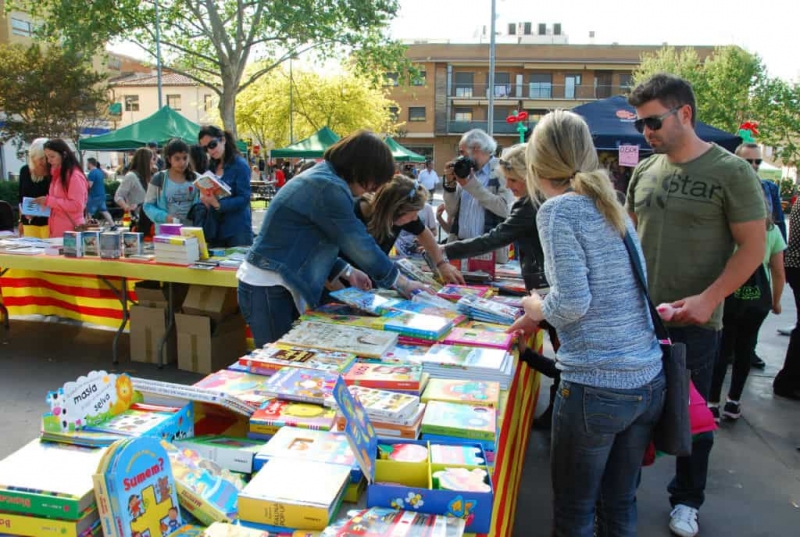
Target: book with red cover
385,376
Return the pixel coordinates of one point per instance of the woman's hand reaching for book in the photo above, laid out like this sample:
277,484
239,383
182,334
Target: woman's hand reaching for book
359,280
407,287
533,306
451,274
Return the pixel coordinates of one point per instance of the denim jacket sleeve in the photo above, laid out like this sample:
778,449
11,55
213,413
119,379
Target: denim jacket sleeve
520,223
334,214
237,176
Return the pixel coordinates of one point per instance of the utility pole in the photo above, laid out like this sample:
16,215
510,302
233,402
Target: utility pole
291,102
490,114
158,55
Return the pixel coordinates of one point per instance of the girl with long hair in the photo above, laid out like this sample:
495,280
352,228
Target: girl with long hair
612,386
235,224
171,192
69,189
131,192
34,182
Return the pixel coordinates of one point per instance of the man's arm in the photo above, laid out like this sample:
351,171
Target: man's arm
499,204
750,238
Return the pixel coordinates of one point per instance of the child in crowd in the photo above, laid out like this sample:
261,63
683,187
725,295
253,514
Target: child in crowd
171,192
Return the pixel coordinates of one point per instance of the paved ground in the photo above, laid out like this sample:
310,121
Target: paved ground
754,482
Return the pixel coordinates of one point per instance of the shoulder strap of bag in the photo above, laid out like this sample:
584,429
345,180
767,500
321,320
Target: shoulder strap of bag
658,324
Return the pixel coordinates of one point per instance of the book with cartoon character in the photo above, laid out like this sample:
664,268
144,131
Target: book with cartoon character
277,413
385,376
470,392
273,357
365,301
360,341
471,337
135,490
383,404
463,421
244,386
381,521
302,385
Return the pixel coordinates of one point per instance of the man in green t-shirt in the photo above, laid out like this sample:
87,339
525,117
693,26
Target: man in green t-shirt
692,203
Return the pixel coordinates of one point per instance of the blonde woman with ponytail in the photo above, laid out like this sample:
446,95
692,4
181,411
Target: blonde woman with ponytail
612,386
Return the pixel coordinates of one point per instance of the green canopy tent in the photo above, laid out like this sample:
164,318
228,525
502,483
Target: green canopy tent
402,154
312,147
162,126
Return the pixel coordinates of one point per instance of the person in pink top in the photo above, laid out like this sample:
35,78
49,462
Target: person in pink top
68,189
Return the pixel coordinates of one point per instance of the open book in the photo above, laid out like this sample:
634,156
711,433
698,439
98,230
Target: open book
210,184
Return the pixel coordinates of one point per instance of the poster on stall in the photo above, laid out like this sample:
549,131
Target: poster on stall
629,155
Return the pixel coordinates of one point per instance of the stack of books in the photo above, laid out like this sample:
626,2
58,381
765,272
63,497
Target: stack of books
363,342
301,385
455,292
404,378
469,392
483,309
460,421
272,357
392,414
176,249
246,387
470,337
417,325
363,301
415,273
469,363
277,413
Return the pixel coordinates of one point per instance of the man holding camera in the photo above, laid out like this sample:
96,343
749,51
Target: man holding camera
475,192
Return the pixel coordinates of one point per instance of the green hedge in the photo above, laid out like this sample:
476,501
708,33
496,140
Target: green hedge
9,191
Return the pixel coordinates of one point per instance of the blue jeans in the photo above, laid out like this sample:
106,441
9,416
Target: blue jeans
702,349
270,311
600,436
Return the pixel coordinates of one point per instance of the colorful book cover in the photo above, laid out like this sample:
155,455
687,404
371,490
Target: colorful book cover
211,185
275,357
475,358
417,324
141,492
464,421
207,491
227,452
470,392
413,420
244,386
456,292
170,391
360,341
385,404
198,233
382,521
405,354
384,376
49,480
133,422
277,413
471,337
316,446
44,527
354,319
428,309
302,385
361,300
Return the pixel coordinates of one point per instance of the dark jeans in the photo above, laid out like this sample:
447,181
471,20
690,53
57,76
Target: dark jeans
270,311
600,436
240,239
702,347
788,378
739,338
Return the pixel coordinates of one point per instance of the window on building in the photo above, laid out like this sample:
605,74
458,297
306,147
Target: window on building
419,80
540,86
395,111
527,28
416,113
208,102
512,29
571,86
542,29
464,84
462,114
21,27
625,82
391,79
502,85
174,102
557,28
131,103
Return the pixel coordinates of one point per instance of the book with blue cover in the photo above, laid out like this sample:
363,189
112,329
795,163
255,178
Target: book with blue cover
303,385
365,301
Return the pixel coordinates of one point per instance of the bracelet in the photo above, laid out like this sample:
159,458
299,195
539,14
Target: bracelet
348,272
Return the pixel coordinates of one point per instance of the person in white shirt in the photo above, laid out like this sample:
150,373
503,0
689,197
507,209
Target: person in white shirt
429,178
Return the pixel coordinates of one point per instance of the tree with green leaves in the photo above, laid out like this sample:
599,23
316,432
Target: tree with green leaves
732,86
48,91
343,102
214,41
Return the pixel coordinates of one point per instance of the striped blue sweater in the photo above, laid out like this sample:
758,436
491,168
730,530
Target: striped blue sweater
595,303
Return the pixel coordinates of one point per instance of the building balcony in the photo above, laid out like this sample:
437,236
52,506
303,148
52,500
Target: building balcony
536,91
500,126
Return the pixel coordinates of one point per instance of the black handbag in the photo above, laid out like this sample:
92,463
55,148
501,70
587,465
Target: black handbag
754,295
673,432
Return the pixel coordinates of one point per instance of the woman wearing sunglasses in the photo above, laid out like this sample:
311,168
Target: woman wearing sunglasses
612,385
395,208
309,224
235,224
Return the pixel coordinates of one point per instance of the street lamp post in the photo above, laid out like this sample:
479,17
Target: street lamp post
291,102
490,115
158,54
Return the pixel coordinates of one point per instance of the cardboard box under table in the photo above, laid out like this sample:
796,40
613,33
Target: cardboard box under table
206,345
148,326
218,303
410,485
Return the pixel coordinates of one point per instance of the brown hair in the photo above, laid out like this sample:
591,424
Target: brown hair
361,158
396,198
141,165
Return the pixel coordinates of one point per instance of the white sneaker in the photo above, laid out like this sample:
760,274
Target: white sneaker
683,521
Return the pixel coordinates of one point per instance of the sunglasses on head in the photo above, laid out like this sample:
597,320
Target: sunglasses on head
211,145
756,161
653,122
413,193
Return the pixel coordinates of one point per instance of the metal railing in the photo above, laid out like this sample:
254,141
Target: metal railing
538,90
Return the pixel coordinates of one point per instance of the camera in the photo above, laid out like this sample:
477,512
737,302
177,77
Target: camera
462,167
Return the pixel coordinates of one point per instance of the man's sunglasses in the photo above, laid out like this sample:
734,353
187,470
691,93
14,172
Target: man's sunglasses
756,161
211,145
653,122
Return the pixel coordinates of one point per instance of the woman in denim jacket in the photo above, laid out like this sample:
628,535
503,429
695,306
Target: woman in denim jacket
612,385
308,223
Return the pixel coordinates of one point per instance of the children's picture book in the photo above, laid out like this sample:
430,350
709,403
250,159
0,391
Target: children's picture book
87,524
384,376
478,338
31,208
464,421
382,521
277,413
132,244
227,452
303,385
405,354
474,358
483,309
211,185
354,319
274,357
197,232
385,404
244,386
470,392
359,341
418,325
414,272
364,301
49,480
135,490
133,422
316,446
428,309
169,392
456,292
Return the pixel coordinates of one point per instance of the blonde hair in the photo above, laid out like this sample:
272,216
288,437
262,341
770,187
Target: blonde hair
561,151
513,160
36,151
392,201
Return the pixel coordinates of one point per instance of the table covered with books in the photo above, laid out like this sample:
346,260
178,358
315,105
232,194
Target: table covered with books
372,414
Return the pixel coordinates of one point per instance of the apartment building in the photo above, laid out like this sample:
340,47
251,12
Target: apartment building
536,70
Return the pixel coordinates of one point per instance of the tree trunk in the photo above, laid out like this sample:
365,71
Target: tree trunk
227,108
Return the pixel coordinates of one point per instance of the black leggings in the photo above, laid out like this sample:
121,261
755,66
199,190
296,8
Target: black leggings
739,338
